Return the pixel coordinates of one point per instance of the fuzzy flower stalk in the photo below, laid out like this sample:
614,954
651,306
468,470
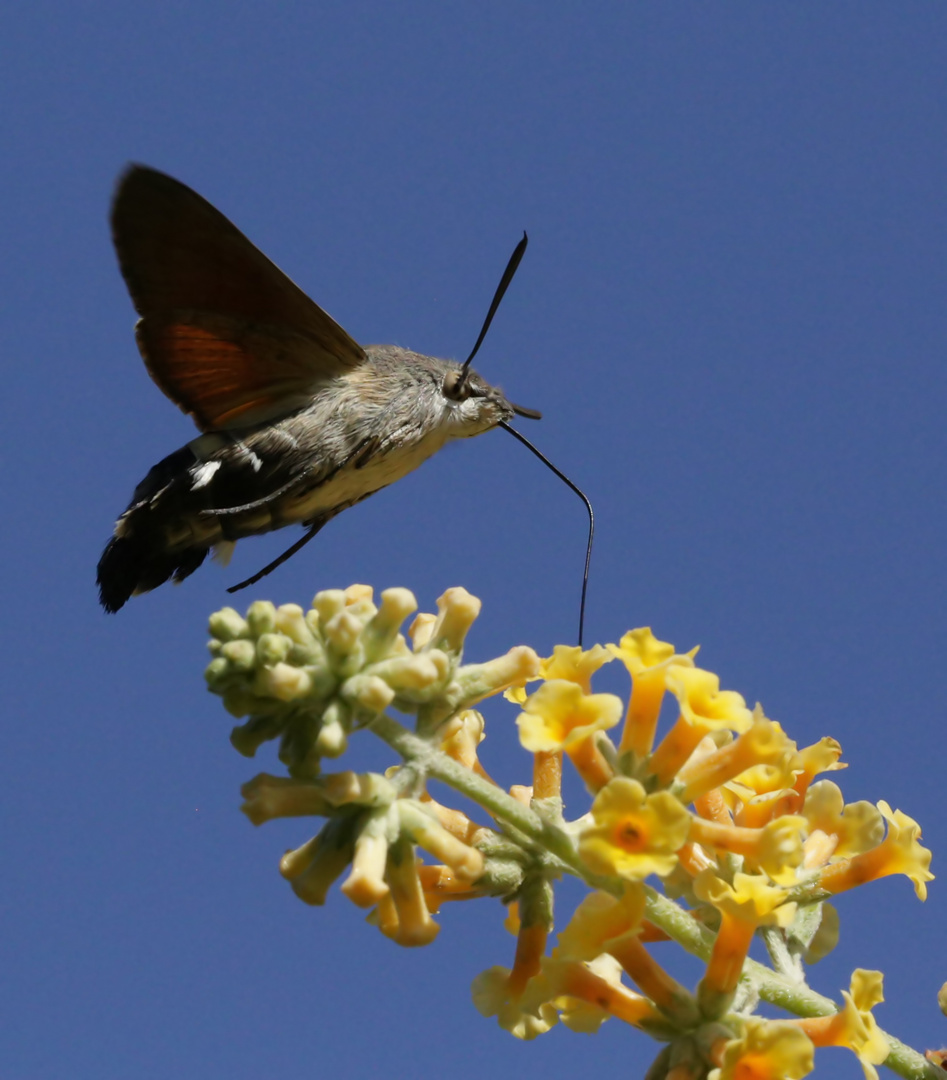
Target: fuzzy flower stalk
706,824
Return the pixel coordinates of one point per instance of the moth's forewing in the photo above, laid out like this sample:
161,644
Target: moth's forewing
223,331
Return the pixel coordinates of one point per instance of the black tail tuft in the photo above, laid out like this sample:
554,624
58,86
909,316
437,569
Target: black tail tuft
135,559
131,564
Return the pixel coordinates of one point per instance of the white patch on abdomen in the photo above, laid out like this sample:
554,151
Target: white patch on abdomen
201,475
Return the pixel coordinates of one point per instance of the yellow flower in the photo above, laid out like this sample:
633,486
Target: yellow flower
559,715
854,828
865,992
853,1025
906,855
583,1016
606,924
750,902
751,898
822,756
587,994
777,764
569,662
575,664
639,650
779,854
599,918
899,853
794,772
492,997
763,746
647,661
753,811
634,834
704,708
767,1050
776,849
704,704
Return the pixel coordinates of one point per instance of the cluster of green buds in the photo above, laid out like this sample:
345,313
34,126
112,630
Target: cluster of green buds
712,834
310,679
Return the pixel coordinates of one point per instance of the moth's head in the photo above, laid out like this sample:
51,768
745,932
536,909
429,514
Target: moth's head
474,404
478,402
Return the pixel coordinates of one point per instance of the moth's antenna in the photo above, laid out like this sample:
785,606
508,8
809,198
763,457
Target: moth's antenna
518,252
588,506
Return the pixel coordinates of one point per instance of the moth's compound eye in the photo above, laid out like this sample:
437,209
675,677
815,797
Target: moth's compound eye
456,386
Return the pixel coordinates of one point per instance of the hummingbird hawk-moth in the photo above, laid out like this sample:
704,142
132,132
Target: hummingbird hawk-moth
298,421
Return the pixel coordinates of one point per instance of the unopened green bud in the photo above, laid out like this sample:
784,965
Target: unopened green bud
217,671
359,600
477,681
247,738
414,923
367,692
284,682
312,654
331,740
457,609
238,701
296,746
272,648
366,886
414,672
268,797
381,633
421,630
342,632
313,868
428,833
366,789
227,624
261,617
240,654
328,603
297,861
291,621
335,723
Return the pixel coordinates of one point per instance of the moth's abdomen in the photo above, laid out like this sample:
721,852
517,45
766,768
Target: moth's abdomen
170,524
220,489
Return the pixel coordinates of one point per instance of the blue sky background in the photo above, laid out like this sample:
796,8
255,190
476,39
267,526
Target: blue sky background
732,316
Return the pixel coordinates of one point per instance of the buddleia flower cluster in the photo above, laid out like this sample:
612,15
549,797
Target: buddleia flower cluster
713,832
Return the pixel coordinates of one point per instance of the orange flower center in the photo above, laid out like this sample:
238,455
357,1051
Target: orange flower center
630,835
752,1067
